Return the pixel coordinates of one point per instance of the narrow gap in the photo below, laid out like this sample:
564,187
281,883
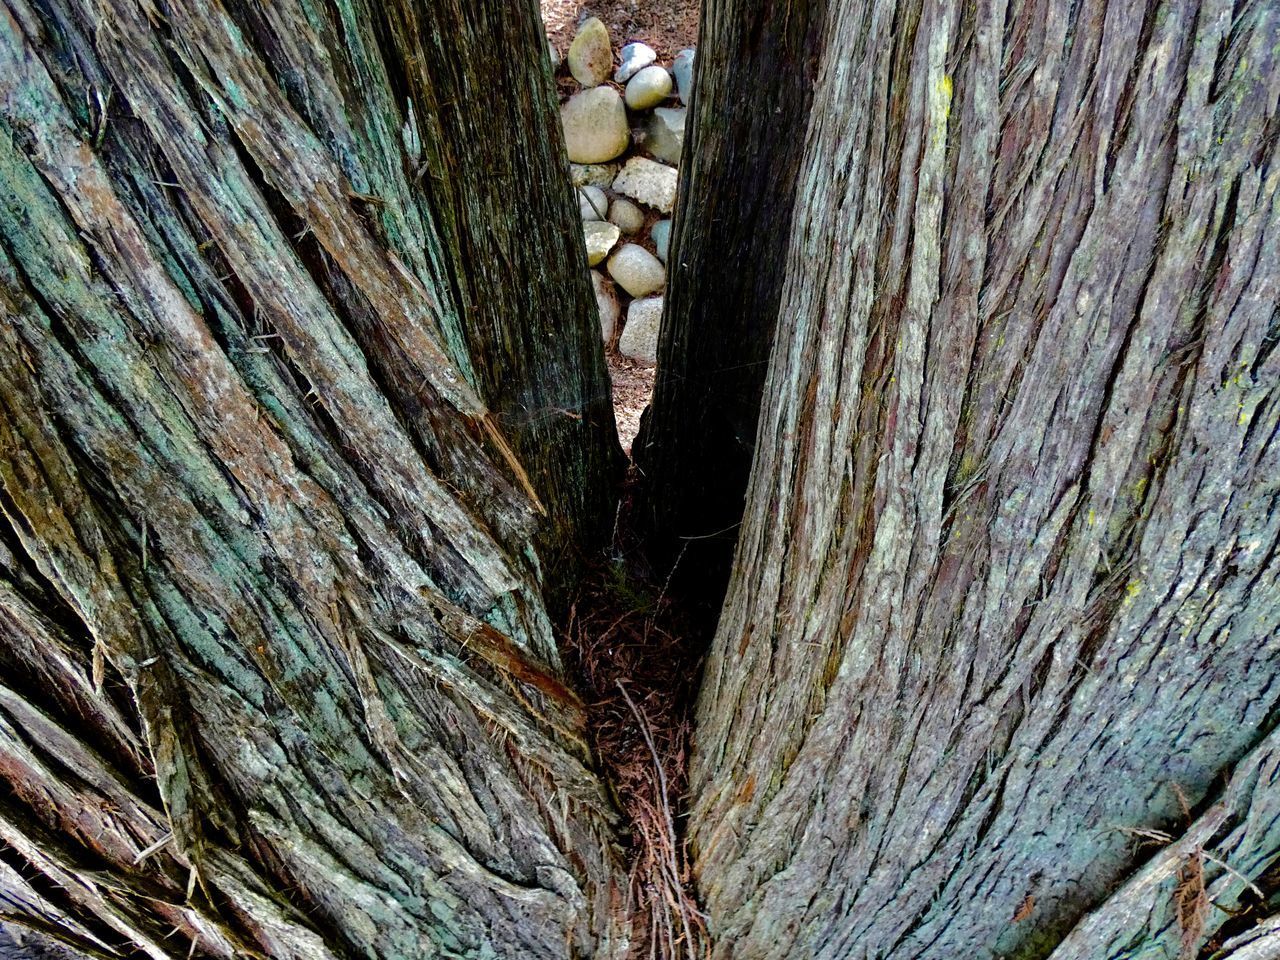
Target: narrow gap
634,651
630,642
22,938
629,320
64,705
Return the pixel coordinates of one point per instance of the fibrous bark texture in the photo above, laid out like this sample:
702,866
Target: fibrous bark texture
996,674
291,414
756,64
490,168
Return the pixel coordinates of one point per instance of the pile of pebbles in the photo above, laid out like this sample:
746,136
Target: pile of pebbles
624,131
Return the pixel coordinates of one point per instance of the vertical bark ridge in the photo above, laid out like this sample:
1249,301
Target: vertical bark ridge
513,303
726,269
1011,527
279,671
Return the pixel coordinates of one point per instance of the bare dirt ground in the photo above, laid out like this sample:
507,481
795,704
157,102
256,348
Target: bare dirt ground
666,25
632,388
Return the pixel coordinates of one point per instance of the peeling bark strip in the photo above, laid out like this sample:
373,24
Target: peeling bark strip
1007,586
277,676
756,64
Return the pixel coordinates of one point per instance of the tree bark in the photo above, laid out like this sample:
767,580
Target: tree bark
995,675
301,390
301,393
726,267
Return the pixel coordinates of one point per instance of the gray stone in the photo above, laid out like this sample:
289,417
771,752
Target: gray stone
627,216
592,203
593,174
649,182
600,238
607,304
639,338
595,125
682,67
555,55
591,54
648,88
635,57
636,269
664,134
661,237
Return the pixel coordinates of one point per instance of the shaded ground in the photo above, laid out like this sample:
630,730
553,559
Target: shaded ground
636,659
632,388
666,25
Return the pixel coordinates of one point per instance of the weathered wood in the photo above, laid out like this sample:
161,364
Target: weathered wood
756,68
492,152
1232,841
277,490
1006,590
996,674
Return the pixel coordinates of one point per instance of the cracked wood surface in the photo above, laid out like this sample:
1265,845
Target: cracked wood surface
1006,589
281,330
277,678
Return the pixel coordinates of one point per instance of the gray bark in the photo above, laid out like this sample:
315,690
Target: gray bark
996,673
296,406
18,944
301,392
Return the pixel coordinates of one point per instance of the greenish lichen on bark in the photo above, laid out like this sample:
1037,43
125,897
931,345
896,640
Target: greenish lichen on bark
279,673
1006,589
302,410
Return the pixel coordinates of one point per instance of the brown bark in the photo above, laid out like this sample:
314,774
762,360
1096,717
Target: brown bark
757,64
277,491
1005,597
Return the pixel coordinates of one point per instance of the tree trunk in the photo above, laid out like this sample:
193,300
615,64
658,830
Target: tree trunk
301,391
301,388
727,266
995,675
